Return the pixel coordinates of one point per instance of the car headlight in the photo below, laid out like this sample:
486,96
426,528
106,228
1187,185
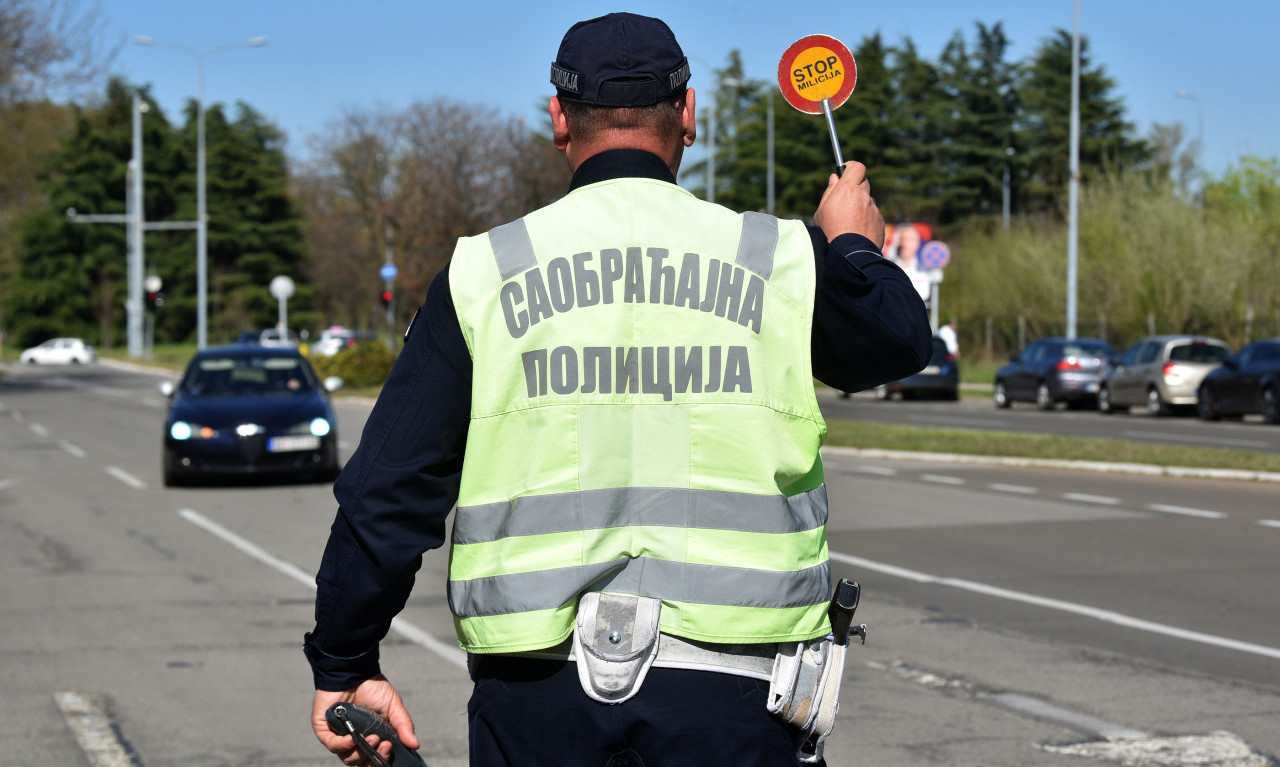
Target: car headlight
182,430
316,427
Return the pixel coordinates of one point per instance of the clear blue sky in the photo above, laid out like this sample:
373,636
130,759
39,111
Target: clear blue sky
325,55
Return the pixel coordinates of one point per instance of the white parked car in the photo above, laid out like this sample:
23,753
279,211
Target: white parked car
335,339
59,351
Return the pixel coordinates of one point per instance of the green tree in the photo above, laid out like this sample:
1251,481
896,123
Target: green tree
979,87
1045,124
47,47
70,277
254,230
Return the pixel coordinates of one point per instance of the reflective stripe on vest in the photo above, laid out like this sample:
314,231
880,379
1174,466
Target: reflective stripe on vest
583,473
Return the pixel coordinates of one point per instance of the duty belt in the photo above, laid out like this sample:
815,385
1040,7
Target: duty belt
751,660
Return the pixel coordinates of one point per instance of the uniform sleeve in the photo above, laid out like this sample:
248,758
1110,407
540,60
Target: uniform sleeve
394,495
870,325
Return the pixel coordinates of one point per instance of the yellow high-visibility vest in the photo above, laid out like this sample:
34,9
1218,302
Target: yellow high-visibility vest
643,421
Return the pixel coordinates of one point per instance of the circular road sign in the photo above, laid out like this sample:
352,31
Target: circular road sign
814,69
935,254
281,288
388,272
152,283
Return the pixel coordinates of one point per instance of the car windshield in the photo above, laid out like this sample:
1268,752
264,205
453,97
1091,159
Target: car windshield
236,375
1199,352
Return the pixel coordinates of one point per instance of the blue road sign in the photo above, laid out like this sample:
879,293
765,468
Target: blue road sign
388,271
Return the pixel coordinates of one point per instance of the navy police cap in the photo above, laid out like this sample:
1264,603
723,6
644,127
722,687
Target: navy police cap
619,60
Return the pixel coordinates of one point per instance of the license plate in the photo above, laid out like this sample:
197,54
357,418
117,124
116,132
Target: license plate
931,370
1092,387
291,444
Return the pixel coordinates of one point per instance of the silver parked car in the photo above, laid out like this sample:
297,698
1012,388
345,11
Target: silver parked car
1160,373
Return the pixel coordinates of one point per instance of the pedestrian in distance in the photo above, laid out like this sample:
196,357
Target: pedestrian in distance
948,335
616,393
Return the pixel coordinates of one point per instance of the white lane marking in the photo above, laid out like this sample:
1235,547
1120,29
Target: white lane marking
1219,748
86,717
1073,720
1269,522
1019,489
126,478
39,430
406,629
72,449
1210,440
1206,514
942,479
883,471
1106,616
1086,498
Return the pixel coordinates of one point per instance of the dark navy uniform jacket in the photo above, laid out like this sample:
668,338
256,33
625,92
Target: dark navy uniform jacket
394,495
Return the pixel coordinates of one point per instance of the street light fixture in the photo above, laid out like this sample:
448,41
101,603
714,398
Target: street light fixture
202,219
1199,137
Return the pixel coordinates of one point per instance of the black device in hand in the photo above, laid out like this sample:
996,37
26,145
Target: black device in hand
359,722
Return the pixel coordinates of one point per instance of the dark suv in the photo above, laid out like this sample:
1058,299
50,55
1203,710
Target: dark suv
1053,370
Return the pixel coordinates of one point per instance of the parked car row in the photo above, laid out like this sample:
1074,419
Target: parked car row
1162,374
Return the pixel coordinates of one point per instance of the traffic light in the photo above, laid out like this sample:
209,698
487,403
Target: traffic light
386,298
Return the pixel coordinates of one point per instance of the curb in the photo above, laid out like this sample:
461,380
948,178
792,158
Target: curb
1052,463
139,368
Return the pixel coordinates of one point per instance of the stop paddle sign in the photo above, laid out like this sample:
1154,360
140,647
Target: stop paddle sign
816,75
815,69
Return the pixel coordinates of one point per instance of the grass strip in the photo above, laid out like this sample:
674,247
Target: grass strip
869,435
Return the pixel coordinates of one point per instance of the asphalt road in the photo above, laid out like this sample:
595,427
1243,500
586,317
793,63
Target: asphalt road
1249,433
1016,615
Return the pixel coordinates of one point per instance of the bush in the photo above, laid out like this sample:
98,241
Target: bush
367,363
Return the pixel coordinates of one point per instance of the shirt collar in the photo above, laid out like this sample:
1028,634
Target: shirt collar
621,163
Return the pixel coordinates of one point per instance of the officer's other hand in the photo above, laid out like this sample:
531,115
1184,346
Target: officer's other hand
848,207
376,694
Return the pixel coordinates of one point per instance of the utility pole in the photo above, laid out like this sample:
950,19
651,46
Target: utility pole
136,225
1073,226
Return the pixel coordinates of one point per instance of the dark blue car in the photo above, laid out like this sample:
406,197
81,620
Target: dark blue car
249,411
1053,370
940,378
1246,383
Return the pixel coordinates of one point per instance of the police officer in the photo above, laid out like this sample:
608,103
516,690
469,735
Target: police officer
616,392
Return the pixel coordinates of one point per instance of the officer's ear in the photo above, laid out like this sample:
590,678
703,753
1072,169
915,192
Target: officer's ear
559,125
688,118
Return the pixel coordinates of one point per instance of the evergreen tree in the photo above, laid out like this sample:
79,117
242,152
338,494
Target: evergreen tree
980,87
71,277
915,152
1044,130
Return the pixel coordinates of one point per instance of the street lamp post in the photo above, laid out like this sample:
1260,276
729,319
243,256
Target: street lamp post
1199,136
202,219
